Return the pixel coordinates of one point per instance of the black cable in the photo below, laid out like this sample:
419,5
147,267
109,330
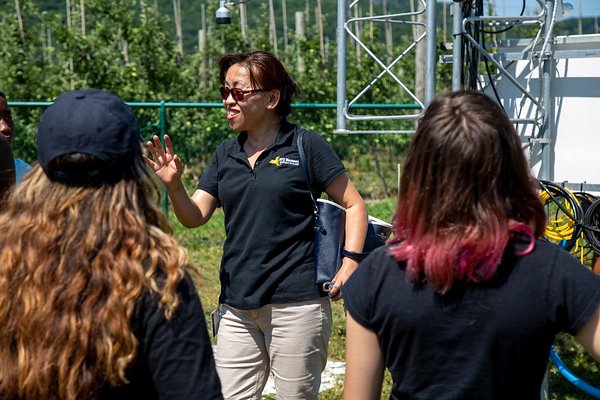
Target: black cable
591,218
555,193
510,27
489,74
585,201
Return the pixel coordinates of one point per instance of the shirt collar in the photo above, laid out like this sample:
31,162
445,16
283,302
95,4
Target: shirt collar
286,132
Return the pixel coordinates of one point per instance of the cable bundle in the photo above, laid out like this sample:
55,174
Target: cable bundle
564,214
591,221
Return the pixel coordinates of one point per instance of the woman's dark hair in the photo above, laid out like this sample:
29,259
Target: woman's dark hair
466,189
266,72
7,168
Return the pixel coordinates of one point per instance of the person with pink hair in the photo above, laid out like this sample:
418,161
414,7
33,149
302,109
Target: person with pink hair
467,299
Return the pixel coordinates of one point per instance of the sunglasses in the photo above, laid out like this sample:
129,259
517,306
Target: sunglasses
237,94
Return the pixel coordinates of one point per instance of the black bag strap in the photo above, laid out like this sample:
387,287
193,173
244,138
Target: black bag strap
358,257
305,167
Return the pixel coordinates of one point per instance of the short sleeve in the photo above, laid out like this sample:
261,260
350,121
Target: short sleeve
209,181
573,293
360,291
178,351
323,163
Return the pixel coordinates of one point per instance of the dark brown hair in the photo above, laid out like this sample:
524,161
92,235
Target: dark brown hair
7,168
466,188
266,72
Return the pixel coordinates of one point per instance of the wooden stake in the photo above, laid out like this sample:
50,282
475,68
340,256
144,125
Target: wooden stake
178,30
243,21
371,31
357,31
20,21
82,12
319,19
389,45
285,27
272,28
300,36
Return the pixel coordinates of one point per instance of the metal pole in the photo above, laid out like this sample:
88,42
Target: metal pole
431,60
457,26
341,65
163,131
547,128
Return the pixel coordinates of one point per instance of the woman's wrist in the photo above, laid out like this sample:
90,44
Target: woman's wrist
355,256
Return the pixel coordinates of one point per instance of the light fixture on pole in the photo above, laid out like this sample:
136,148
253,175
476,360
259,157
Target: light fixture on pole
223,14
564,9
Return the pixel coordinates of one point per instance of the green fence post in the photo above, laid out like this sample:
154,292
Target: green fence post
163,131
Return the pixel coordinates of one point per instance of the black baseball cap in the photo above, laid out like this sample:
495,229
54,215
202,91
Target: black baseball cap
93,122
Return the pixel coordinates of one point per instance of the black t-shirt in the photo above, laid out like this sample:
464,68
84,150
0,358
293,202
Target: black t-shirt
487,341
268,252
175,358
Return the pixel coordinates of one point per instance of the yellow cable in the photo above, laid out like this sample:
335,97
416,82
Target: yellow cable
561,228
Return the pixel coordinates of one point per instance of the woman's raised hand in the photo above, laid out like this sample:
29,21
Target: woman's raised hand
164,162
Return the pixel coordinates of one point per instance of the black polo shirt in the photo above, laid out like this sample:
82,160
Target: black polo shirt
268,252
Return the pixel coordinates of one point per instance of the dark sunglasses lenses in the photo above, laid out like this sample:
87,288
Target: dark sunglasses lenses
237,94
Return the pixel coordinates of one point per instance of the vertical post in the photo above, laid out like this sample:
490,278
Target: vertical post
389,44
457,19
371,27
547,128
579,20
420,54
71,65
285,26
341,65
20,21
431,60
300,37
272,27
202,51
49,45
319,20
178,28
82,12
163,131
243,21
357,31
444,18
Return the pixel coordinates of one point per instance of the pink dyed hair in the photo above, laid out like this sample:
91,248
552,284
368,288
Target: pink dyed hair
465,190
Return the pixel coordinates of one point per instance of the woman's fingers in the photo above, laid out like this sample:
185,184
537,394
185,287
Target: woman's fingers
149,162
169,145
152,150
159,149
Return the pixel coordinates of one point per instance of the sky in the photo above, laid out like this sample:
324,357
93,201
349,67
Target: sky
587,8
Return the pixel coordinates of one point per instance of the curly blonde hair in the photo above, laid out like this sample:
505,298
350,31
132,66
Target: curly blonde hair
74,262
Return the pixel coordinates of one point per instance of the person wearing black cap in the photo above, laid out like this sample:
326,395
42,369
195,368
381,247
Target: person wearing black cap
96,299
7,129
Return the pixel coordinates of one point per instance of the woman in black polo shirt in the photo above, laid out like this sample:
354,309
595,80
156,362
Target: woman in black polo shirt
273,314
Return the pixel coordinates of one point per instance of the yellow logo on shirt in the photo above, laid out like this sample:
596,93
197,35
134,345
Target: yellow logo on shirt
279,161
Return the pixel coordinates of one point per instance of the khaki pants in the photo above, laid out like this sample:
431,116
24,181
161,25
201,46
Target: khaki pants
289,339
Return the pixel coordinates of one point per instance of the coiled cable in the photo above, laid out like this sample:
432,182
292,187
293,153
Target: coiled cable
564,214
591,221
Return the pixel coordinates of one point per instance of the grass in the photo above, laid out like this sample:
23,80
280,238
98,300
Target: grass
204,247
